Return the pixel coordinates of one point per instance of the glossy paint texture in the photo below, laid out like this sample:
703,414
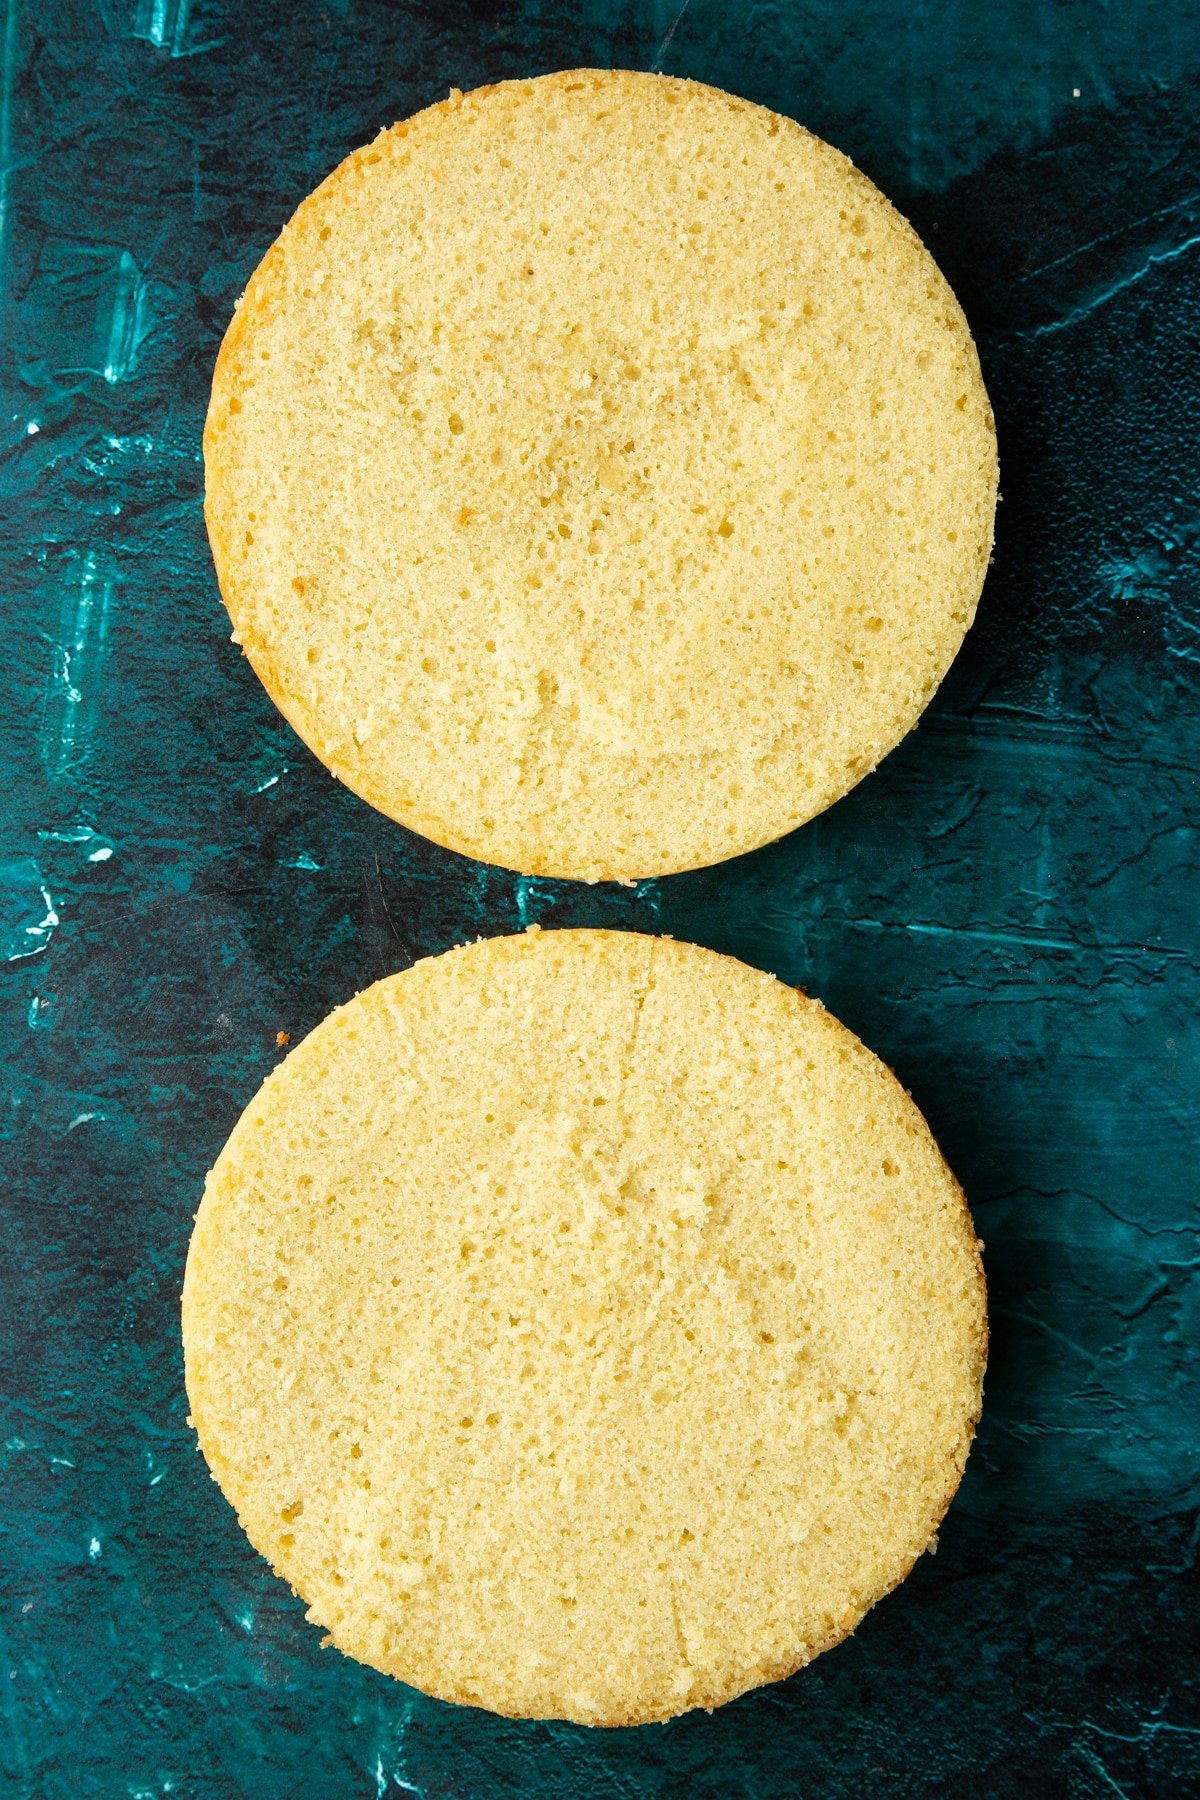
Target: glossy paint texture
1006,910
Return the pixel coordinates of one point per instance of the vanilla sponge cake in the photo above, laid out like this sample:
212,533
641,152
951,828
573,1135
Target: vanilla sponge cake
586,1325
600,475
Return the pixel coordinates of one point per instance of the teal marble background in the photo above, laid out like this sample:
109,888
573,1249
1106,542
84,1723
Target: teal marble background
1006,910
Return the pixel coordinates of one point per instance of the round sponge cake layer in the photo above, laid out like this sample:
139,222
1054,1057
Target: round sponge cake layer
586,1325
600,474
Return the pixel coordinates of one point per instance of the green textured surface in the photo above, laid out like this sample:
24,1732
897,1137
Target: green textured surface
1006,911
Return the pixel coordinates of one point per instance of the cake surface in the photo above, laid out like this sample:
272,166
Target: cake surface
599,474
586,1325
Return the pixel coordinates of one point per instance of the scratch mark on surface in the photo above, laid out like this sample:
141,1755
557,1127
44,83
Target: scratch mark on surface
130,323
649,894
1107,237
24,939
1021,940
79,834
656,65
383,902
163,23
70,699
529,899
966,808
1156,259
1018,939
1043,1325
398,1756
1089,1756
1146,1728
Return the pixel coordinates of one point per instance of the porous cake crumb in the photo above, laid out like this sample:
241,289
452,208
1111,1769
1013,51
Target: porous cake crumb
599,474
586,1325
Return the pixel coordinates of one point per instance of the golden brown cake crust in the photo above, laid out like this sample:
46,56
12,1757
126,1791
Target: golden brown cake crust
718,569
586,1325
